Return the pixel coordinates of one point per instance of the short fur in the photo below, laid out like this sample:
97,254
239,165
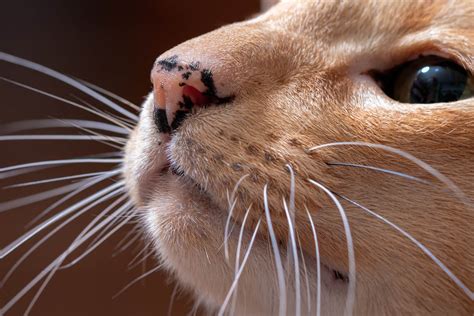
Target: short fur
299,76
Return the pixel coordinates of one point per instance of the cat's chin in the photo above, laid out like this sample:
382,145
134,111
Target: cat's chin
187,230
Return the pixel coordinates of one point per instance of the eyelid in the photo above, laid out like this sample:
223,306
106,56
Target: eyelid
424,49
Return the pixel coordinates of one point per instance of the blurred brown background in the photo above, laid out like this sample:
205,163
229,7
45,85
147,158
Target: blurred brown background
113,45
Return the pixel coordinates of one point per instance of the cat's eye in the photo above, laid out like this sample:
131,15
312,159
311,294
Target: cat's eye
428,79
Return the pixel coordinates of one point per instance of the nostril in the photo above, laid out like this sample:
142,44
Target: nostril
196,96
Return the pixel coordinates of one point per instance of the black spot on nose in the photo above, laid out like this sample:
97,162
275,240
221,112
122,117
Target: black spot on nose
178,119
161,122
169,63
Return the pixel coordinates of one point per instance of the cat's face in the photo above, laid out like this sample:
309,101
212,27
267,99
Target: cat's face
230,127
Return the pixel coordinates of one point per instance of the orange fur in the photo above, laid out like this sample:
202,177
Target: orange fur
298,74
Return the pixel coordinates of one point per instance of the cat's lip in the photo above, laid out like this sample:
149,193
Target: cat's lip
176,171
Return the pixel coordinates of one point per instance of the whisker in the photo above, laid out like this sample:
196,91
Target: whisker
32,168
78,241
55,230
99,242
118,140
227,231
290,215
237,257
14,173
438,262
67,80
122,245
435,173
27,125
135,260
278,262
55,97
51,268
295,259
112,141
58,179
143,259
59,162
86,184
129,123
350,248
392,172
110,94
229,216
25,237
239,273
318,264
137,280
10,205
109,139
172,298
105,211
305,271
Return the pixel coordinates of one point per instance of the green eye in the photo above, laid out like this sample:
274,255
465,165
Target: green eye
429,79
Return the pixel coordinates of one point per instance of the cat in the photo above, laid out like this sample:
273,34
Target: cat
315,159
315,107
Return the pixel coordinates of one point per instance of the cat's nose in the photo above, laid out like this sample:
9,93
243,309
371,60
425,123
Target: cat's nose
179,88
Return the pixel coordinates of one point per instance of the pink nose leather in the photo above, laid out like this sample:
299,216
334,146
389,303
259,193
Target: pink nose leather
178,89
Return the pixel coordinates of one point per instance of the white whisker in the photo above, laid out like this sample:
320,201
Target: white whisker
85,185
53,266
239,273
28,125
108,139
22,239
110,94
122,120
438,262
392,172
55,97
14,173
290,215
305,271
137,280
350,249
10,205
78,241
59,162
295,259
237,257
105,211
172,298
143,259
135,260
276,251
67,80
123,244
229,216
435,173
318,264
118,140
100,241
55,230
227,231
58,179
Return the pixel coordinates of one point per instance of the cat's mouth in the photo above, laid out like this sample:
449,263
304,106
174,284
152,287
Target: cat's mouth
173,170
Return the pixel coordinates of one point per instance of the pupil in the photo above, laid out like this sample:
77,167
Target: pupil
438,83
